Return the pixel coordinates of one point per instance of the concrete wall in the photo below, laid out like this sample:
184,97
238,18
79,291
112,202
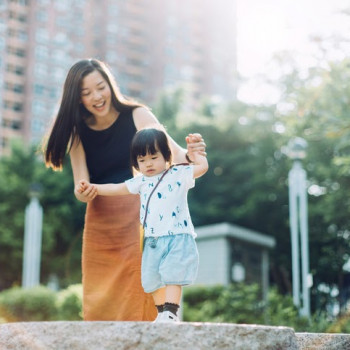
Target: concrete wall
213,261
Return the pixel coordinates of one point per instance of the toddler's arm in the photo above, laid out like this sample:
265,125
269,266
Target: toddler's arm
105,189
200,165
200,162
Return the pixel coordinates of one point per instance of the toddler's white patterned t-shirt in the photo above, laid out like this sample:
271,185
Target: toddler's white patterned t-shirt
168,212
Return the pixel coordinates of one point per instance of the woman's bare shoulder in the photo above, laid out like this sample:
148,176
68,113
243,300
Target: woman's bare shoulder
143,118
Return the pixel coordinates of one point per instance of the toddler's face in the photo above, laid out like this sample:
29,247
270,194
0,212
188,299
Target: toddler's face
151,164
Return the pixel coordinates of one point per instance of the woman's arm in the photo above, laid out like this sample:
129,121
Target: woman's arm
80,171
144,118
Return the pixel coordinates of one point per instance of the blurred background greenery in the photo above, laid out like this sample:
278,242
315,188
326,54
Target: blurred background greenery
245,185
236,303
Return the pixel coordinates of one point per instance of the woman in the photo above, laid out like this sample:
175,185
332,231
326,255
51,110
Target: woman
96,124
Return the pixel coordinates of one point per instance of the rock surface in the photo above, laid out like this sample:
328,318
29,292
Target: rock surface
323,341
143,335
150,336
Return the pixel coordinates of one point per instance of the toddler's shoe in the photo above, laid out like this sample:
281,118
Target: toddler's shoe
159,316
168,317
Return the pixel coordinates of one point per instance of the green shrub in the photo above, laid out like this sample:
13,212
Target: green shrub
340,325
69,303
236,303
33,304
241,303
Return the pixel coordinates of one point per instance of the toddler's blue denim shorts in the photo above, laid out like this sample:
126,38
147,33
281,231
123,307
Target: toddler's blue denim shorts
169,260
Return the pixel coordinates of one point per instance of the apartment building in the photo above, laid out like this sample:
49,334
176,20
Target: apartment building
150,45
38,42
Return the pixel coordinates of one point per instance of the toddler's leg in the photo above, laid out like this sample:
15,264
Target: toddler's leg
159,296
159,300
172,303
173,294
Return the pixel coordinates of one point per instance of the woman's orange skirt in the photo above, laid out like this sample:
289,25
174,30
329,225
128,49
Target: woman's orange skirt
111,262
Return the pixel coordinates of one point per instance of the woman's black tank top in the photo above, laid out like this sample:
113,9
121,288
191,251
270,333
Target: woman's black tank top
108,151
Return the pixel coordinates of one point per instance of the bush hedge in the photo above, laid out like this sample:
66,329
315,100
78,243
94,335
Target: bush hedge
236,303
241,303
41,304
69,303
34,304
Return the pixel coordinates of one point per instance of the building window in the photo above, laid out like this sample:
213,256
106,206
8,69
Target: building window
59,56
37,125
112,28
12,124
18,70
4,142
62,5
41,35
41,16
39,89
41,52
18,33
22,36
60,38
38,107
61,22
18,88
79,47
16,51
53,93
15,106
18,107
40,70
20,2
16,125
59,74
113,9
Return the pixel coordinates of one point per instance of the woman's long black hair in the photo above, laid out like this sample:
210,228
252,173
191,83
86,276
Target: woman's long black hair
71,113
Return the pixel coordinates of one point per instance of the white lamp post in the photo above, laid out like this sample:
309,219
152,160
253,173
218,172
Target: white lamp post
32,239
296,150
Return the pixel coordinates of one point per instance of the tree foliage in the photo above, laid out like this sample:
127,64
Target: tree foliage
247,180
63,217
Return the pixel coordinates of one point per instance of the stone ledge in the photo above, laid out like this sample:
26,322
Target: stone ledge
144,335
323,341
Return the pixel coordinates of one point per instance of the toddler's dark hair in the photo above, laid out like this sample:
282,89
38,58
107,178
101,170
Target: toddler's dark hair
149,141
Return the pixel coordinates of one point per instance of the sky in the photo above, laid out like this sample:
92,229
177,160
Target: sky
270,26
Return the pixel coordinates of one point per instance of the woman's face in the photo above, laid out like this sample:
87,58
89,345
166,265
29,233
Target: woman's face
96,94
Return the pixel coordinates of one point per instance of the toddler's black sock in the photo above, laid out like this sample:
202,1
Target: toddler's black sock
160,308
172,307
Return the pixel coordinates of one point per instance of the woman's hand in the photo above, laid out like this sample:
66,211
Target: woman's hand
85,191
195,143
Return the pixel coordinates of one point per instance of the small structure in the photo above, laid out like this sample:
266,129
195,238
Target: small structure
230,253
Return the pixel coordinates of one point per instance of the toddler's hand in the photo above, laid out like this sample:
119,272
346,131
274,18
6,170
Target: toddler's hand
81,186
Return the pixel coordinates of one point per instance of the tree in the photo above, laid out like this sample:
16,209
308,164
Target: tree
16,174
319,113
63,217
